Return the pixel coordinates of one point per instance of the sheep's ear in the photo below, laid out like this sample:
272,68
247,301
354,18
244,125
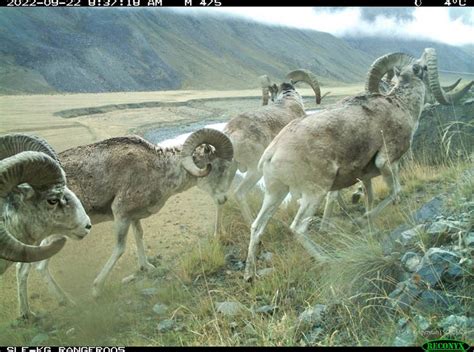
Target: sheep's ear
26,190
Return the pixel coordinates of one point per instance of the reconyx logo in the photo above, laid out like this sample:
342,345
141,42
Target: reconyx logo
444,345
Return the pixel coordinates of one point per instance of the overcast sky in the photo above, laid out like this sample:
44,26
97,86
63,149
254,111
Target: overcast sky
448,25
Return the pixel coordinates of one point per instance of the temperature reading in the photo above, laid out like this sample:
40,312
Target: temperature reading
455,2
210,3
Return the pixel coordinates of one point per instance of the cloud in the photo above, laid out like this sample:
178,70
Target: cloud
422,23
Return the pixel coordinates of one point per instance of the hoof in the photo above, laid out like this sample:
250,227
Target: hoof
129,279
248,278
96,292
28,317
66,301
147,267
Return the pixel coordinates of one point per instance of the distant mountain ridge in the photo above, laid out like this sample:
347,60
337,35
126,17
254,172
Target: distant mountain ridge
98,50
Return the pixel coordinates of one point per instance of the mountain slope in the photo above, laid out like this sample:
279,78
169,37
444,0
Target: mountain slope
96,50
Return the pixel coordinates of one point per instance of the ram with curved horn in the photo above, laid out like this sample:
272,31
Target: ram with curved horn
252,131
126,179
35,203
434,91
356,139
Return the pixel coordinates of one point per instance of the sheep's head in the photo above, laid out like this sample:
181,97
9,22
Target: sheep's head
34,199
293,77
397,62
207,154
38,214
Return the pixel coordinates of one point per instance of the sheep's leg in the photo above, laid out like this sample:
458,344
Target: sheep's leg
143,262
328,209
370,193
271,202
250,180
300,224
22,271
390,175
121,230
54,288
218,222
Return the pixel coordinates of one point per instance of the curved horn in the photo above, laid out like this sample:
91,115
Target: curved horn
383,65
265,83
39,170
307,77
452,86
217,139
433,79
14,143
13,250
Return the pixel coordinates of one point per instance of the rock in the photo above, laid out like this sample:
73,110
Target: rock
411,236
267,256
421,322
265,272
411,261
439,265
314,336
404,295
406,335
456,324
443,227
233,262
313,315
434,301
229,308
429,210
469,240
160,309
39,339
267,309
148,292
166,325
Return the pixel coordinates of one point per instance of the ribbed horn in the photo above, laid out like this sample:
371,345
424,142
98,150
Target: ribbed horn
308,77
14,143
452,86
13,250
383,65
442,97
37,169
265,84
217,139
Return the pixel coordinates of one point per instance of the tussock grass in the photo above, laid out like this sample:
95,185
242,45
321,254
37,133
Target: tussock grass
205,259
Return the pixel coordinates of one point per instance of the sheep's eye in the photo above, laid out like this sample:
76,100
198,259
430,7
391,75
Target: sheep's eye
53,201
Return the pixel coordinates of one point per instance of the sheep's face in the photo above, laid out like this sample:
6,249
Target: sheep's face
40,214
273,89
219,180
413,72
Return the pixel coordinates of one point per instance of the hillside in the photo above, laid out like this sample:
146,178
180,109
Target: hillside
450,58
93,50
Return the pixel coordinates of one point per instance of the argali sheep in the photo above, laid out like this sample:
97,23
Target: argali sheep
357,139
252,131
35,203
126,179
